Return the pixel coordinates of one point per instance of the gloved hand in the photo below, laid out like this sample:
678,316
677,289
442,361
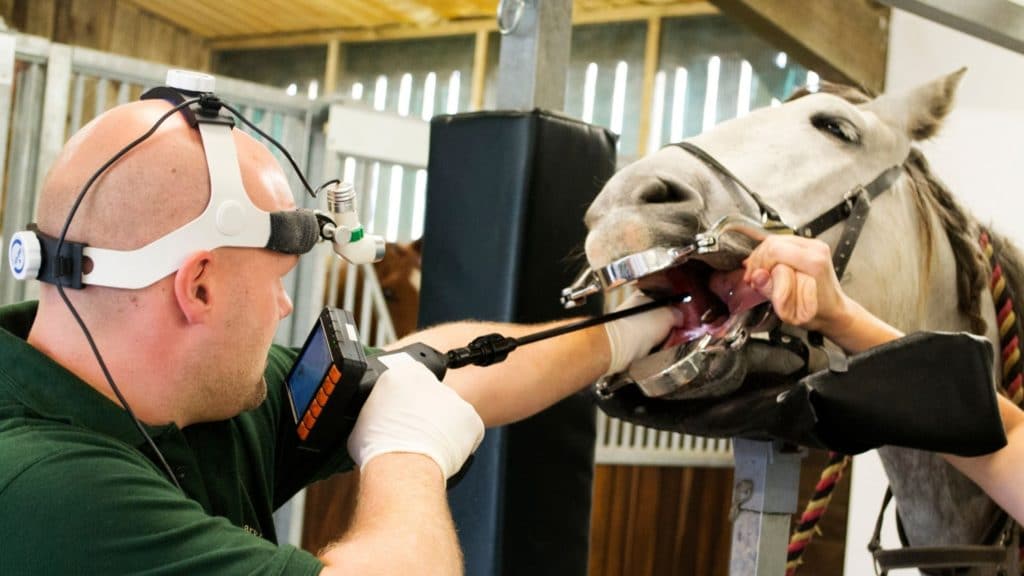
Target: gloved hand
634,337
409,410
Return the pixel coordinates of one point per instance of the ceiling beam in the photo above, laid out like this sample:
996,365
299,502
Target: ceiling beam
841,40
997,21
463,27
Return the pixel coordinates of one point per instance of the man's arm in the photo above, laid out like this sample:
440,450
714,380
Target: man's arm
411,435
402,524
531,378
538,375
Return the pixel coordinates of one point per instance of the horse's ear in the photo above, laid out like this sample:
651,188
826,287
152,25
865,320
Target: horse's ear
921,110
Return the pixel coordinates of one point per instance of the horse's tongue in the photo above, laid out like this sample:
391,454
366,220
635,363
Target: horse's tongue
731,289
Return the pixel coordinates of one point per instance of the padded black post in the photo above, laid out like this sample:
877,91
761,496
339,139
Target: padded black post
504,232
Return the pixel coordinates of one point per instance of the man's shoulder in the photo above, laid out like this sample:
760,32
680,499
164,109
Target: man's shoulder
33,446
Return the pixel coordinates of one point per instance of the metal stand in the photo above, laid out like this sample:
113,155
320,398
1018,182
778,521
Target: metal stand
767,480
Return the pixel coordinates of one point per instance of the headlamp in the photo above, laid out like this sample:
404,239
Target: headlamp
229,220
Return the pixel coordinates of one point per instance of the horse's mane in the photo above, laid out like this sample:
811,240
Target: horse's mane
961,228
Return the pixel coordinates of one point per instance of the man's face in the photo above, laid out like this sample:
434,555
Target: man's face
259,303
253,298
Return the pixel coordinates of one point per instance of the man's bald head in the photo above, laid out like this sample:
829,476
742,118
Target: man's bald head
192,346
157,187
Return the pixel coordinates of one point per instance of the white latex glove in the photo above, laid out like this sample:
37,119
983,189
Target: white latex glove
633,337
409,410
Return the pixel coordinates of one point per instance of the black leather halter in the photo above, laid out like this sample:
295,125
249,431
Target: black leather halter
854,207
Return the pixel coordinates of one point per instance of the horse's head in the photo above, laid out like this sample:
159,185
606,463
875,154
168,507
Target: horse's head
399,275
801,158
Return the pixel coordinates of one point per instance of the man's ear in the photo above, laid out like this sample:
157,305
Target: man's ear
193,287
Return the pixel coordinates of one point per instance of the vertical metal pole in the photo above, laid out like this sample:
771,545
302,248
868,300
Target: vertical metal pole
534,56
9,211
532,69
764,496
24,143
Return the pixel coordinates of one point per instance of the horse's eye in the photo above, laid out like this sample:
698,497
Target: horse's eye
837,127
389,294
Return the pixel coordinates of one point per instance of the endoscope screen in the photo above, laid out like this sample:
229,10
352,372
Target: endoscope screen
309,371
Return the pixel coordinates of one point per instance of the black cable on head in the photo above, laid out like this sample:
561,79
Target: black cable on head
276,145
74,312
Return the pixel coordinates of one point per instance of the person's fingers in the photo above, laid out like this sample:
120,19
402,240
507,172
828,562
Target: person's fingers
761,280
782,281
798,253
806,298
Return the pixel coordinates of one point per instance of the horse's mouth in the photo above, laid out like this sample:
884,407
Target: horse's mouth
713,298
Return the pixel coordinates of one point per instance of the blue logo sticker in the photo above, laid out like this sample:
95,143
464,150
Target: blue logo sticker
18,256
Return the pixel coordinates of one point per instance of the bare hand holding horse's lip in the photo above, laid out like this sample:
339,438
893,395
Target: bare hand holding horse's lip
797,276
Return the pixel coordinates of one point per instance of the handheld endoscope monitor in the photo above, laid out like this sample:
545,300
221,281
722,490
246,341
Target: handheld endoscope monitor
324,384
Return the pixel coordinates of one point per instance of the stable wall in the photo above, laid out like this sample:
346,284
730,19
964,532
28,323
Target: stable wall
116,26
980,156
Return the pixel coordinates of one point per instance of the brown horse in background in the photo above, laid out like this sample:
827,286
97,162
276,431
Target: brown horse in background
330,503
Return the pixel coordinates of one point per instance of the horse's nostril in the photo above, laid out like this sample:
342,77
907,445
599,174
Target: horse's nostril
661,193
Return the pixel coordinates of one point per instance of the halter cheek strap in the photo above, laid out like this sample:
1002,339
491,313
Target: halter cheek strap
854,207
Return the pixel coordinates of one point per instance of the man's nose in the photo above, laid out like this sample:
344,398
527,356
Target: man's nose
284,303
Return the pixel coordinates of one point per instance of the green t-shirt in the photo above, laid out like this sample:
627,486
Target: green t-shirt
80,493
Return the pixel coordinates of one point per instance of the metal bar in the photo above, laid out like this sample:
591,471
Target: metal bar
100,105
333,281
534,57
55,109
123,93
996,21
767,480
146,73
8,210
77,98
24,154
351,277
652,53
365,304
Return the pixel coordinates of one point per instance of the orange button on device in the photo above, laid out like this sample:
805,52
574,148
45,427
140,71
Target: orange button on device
334,375
303,431
327,387
309,420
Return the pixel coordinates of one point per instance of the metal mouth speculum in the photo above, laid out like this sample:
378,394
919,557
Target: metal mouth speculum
683,371
735,233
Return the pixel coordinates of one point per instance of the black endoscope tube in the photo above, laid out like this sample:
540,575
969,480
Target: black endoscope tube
552,332
494,348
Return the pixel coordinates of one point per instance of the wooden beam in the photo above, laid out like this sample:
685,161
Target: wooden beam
643,12
462,27
841,40
652,53
331,69
476,100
